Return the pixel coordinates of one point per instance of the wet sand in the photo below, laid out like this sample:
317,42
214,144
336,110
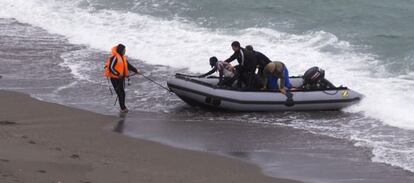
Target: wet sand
45,142
281,151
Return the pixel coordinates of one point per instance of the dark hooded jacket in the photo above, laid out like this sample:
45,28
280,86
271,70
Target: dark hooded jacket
246,60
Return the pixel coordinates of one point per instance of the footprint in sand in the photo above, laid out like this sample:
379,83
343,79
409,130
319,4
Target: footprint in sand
8,178
57,149
7,122
75,156
41,171
4,160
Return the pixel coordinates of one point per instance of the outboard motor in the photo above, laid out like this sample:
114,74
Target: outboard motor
314,78
313,75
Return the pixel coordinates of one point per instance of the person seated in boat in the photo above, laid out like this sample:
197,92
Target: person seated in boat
273,72
225,69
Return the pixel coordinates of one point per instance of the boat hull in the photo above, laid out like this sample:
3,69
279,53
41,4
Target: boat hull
203,92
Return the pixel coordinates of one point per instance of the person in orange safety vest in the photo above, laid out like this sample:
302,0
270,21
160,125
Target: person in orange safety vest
117,69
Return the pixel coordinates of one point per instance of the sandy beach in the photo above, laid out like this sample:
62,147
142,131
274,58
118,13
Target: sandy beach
44,142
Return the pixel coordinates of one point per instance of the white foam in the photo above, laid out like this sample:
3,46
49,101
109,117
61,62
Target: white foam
396,153
59,89
78,63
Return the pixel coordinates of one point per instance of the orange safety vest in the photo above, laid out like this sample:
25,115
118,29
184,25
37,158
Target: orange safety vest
121,65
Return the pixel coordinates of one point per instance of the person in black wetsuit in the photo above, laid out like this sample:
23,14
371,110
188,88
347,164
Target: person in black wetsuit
247,64
262,60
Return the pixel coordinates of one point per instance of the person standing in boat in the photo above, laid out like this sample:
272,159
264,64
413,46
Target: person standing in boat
247,64
273,72
225,69
117,69
262,60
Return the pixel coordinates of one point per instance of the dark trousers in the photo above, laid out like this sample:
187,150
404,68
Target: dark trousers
243,76
119,87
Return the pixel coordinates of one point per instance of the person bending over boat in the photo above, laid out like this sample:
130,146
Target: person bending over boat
273,72
262,60
247,64
225,69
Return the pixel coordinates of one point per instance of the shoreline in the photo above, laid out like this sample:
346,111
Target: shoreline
46,142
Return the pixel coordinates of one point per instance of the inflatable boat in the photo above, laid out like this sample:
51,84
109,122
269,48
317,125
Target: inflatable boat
204,92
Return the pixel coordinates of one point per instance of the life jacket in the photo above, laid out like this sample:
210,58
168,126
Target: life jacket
121,65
